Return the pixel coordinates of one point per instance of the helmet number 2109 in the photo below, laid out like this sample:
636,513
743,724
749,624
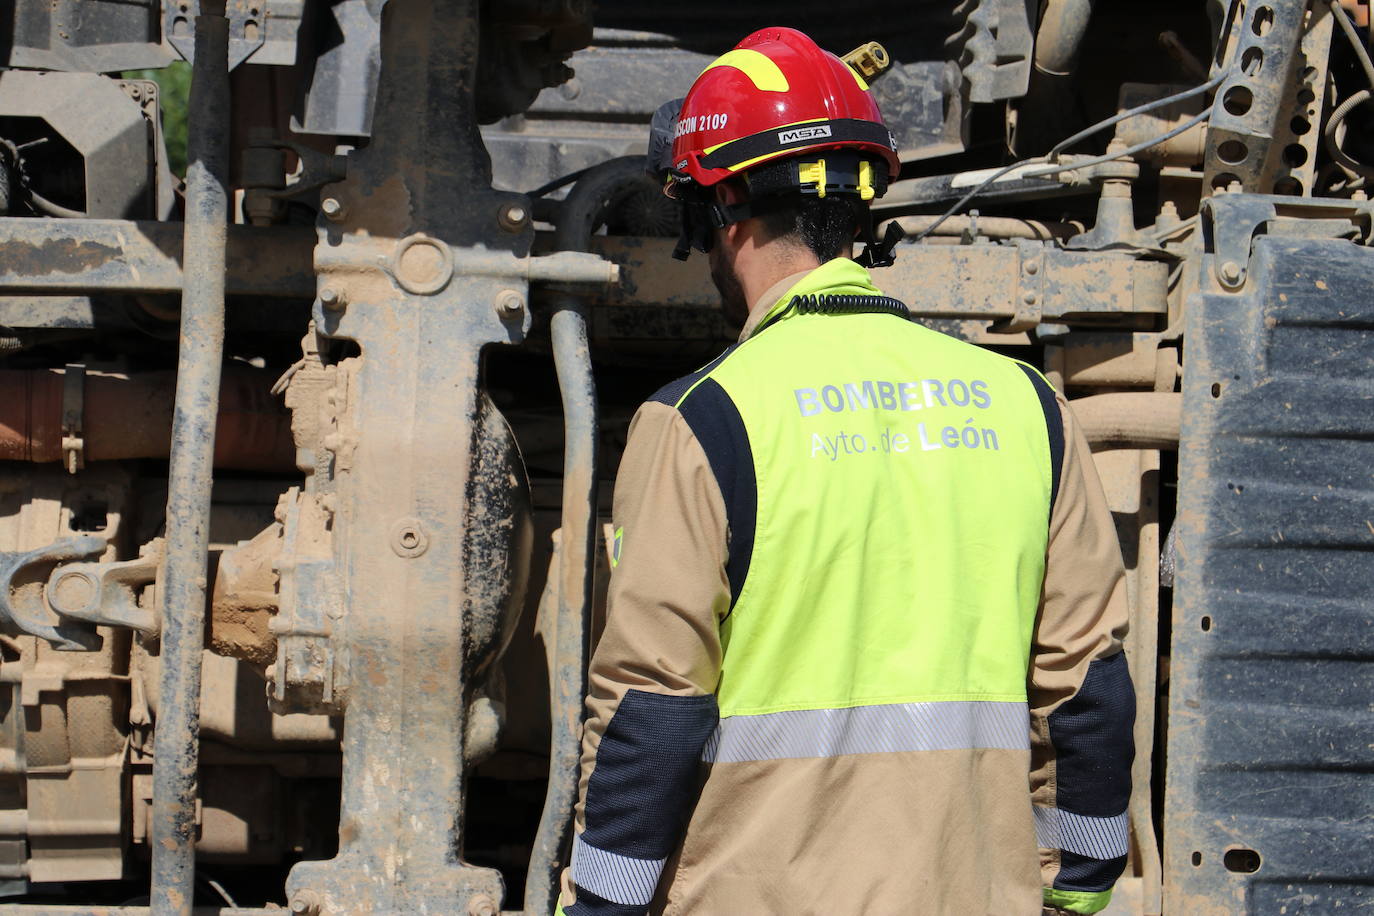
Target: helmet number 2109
701,122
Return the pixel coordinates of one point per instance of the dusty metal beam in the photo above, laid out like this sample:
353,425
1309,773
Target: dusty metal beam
1023,281
73,256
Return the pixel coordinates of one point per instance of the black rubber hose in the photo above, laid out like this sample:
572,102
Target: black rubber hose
596,195
577,219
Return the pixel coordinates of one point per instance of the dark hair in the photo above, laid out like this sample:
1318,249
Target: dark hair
826,225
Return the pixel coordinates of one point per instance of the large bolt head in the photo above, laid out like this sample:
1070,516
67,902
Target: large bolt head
333,209
510,305
333,298
483,905
306,903
513,217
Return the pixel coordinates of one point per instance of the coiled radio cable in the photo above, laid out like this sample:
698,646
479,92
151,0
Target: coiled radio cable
848,304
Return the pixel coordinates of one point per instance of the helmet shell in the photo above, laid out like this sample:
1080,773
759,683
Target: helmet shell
775,94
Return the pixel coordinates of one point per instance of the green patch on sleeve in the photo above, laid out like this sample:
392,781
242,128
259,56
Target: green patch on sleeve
1077,901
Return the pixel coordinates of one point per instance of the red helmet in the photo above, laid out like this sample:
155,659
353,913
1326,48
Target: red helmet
776,94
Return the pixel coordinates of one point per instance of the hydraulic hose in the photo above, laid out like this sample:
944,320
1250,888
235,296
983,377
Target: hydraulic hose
1331,135
1144,419
583,209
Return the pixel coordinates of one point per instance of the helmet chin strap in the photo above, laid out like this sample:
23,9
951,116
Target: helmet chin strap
701,218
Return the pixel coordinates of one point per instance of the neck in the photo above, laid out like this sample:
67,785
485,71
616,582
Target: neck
767,268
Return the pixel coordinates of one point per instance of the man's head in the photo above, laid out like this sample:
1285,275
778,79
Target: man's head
795,233
776,150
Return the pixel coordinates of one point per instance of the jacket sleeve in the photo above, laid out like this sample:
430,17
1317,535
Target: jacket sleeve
651,705
1081,698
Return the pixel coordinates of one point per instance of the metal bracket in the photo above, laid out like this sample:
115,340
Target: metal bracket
73,409
1249,104
317,169
22,602
1030,291
247,27
1230,223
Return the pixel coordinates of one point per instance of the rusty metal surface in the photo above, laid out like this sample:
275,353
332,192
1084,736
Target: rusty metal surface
183,582
75,256
131,417
1269,808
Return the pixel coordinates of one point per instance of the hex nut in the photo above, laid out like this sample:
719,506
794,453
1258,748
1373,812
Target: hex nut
1230,272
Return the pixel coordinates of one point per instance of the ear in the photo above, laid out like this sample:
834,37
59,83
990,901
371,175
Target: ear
728,193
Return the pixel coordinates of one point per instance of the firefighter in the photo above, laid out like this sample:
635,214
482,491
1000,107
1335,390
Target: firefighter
864,634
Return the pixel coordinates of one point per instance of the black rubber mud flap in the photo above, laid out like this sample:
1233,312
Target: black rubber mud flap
1270,801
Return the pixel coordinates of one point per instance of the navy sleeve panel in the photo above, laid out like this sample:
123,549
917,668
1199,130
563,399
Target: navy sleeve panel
672,392
716,423
644,780
1093,741
1054,426
588,904
1081,873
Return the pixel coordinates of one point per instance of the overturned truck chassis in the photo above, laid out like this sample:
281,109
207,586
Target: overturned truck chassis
321,611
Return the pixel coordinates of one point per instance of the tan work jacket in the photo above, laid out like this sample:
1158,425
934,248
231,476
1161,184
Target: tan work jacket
931,832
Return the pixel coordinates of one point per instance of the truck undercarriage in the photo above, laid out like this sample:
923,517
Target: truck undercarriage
305,455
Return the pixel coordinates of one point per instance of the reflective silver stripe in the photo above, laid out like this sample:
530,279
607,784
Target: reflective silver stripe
620,879
1094,837
879,729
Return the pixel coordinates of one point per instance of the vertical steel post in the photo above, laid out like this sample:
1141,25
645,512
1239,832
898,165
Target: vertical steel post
175,747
